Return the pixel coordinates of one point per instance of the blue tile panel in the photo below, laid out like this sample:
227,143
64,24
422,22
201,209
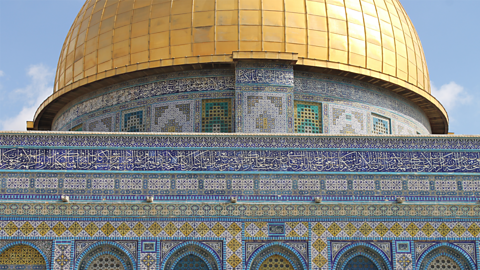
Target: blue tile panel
101,110
267,187
234,141
349,90
240,160
360,262
191,262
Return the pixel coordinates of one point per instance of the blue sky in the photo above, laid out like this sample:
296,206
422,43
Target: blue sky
32,34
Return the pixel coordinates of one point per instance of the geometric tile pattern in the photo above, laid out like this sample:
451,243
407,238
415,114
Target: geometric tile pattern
381,125
173,117
62,258
22,255
264,112
443,262
191,262
347,120
134,120
217,115
105,123
146,90
308,117
360,262
322,236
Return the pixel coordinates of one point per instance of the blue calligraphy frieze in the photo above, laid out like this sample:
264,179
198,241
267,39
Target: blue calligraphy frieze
264,76
239,160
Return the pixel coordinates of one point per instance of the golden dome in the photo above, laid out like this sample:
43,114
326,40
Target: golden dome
371,38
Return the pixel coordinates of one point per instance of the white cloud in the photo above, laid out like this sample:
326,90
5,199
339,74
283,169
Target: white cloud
39,88
451,95
1,73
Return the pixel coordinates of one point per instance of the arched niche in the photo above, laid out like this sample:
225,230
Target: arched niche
445,256
105,256
270,257
361,254
201,256
22,256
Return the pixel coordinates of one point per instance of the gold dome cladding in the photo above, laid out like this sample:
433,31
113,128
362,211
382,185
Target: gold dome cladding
369,37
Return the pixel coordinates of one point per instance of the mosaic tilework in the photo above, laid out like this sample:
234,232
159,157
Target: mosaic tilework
407,122
173,117
308,117
191,262
291,141
96,255
143,90
91,186
22,257
105,123
360,262
443,262
61,258
217,115
264,113
276,262
347,120
403,128
381,125
354,91
134,120
241,160
264,73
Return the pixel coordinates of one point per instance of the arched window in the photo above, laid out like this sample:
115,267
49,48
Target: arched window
22,257
443,262
276,262
106,262
105,257
191,262
360,262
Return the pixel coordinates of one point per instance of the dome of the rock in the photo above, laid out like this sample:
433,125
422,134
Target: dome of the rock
369,41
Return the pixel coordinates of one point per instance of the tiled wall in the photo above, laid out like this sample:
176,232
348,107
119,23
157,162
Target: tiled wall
257,99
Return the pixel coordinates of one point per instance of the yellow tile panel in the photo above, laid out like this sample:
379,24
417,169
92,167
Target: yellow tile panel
204,5
296,35
297,20
250,17
227,4
203,34
274,33
354,16
317,23
274,18
182,6
161,10
123,19
336,12
159,25
139,44
178,37
337,26
250,4
227,17
338,42
227,33
140,29
318,38
316,8
141,14
297,6
181,21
